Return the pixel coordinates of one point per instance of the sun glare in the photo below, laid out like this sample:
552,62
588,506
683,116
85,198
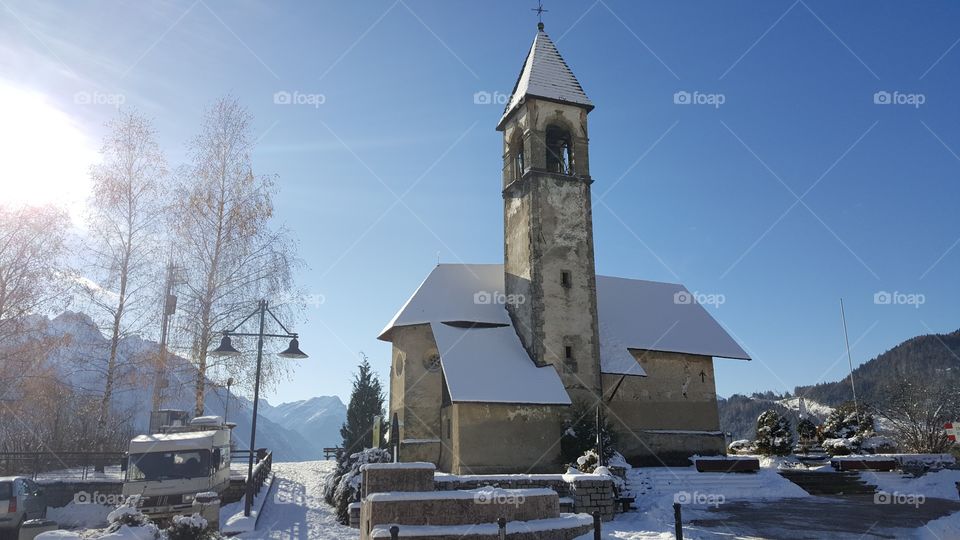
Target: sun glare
44,156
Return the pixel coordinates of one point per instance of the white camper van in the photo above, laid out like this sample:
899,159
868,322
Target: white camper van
169,468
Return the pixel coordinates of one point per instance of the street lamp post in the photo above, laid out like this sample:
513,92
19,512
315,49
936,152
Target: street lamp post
226,349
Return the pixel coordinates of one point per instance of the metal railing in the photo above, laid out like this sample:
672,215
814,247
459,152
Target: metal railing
261,470
64,465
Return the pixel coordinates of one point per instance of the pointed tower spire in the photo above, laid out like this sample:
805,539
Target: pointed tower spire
545,75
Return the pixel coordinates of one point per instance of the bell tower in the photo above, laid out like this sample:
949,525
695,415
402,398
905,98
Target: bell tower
548,224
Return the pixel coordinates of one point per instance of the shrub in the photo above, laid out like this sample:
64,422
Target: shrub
587,463
845,429
128,514
742,446
191,528
774,436
806,430
343,485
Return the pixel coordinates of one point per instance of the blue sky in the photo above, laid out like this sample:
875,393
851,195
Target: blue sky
797,190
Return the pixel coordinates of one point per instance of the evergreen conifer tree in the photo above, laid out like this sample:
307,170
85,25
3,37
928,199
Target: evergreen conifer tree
366,403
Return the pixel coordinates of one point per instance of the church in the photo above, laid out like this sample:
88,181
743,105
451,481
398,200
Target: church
488,359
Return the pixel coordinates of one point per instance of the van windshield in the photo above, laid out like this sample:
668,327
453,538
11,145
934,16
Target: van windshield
6,490
169,465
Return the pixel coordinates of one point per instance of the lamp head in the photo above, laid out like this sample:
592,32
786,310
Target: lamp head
225,348
293,350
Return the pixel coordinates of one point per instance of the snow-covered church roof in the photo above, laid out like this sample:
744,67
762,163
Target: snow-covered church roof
464,304
546,75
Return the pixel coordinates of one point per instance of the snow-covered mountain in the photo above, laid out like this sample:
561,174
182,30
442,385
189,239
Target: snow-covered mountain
317,419
81,358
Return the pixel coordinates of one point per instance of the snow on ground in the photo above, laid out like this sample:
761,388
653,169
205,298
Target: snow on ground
940,529
80,516
296,510
934,485
109,474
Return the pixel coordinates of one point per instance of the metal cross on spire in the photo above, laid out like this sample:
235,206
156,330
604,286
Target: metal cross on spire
539,11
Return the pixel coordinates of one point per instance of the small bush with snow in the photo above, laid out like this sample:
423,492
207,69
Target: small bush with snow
129,515
191,528
344,485
588,462
742,446
845,430
774,436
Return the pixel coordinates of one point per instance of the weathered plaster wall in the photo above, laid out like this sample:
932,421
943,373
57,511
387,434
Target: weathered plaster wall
505,438
678,395
416,392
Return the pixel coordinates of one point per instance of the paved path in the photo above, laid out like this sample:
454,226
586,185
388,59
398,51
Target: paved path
296,510
817,517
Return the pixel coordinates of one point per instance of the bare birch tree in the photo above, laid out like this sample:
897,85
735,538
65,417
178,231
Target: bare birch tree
126,216
231,254
32,282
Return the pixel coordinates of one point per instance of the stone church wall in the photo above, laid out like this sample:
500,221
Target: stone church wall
668,415
506,438
416,392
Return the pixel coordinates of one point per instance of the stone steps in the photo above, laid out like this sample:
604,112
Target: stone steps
829,483
564,527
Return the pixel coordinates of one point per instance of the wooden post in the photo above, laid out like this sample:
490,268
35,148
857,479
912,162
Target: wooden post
596,525
678,524
502,524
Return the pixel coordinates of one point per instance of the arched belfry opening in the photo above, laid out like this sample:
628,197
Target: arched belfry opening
559,148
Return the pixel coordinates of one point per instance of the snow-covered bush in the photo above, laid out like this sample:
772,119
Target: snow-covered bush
879,444
128,514
191,528
806,431
845,429
774,436
587,462
742,446
344,485
580,433
842,446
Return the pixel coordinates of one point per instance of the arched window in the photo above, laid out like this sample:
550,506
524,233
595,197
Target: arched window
559,151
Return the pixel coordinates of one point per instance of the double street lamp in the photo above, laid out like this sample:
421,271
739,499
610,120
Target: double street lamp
226,349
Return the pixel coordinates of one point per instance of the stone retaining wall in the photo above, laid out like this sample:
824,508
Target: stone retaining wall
589,493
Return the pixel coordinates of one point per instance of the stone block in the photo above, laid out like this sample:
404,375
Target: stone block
387,477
